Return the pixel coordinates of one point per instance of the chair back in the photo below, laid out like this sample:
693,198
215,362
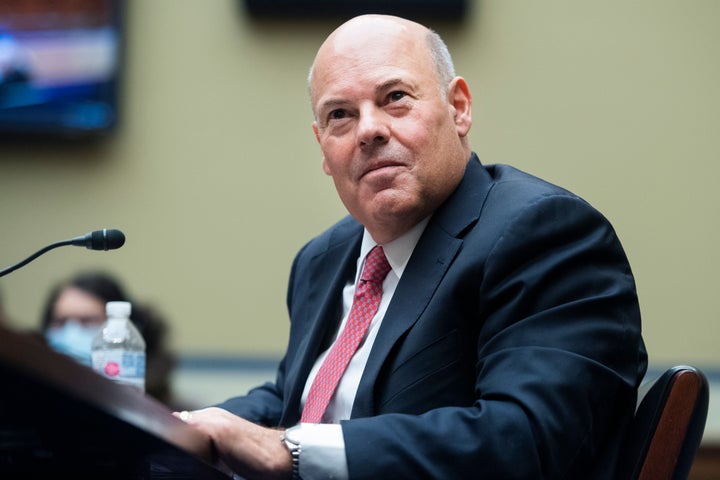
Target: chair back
667,427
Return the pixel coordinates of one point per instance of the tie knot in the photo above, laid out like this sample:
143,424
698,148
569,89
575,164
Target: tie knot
376,266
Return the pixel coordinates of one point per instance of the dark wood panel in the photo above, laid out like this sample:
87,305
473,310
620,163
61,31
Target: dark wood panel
707,463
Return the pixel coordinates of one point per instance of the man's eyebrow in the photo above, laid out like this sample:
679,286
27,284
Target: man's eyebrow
388,84
331,104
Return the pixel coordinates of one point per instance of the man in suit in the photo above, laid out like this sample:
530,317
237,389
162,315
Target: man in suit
506,342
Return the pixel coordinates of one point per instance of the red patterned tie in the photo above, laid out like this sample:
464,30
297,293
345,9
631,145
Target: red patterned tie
365,304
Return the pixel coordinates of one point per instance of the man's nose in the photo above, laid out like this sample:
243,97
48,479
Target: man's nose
373,127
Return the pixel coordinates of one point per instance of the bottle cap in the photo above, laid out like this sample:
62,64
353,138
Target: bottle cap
118,309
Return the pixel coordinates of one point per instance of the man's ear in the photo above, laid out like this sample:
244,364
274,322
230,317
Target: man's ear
461,100
316,131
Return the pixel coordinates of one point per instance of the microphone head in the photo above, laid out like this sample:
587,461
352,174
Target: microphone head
105,239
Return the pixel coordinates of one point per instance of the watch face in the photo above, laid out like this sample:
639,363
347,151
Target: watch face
292,434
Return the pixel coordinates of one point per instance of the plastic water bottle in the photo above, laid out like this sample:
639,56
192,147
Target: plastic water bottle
118,350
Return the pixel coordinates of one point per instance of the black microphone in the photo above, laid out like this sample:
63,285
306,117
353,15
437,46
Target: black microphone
105,239
100,240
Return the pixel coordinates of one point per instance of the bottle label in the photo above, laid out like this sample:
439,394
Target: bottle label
122,366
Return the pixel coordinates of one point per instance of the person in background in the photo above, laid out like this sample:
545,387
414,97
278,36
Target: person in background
464,321
75,311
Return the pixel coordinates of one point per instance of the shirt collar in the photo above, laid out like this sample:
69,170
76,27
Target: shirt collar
399,250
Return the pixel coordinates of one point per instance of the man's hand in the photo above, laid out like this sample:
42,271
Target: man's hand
247,449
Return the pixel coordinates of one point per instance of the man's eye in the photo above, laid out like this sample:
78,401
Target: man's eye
395,96
337,114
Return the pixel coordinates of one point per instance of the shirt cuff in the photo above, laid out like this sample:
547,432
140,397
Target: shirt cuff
322,454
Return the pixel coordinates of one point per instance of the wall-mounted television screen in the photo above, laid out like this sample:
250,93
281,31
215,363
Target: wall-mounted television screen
60,64
412,9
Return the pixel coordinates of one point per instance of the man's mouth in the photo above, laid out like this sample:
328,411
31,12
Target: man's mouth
377,167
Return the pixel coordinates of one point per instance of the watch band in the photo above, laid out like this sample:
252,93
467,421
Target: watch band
294,447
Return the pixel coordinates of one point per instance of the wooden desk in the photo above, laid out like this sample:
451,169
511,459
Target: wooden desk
59,419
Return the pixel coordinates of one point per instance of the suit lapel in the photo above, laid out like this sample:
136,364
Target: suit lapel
436,250
329,272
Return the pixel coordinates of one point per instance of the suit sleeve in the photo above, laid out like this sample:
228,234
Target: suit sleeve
559,357
262,405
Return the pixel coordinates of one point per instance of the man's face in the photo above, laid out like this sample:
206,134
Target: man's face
389,136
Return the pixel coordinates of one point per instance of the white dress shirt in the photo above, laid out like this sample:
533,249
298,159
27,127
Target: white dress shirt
323,446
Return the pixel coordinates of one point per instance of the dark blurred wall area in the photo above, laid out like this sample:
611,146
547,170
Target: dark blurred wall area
413,9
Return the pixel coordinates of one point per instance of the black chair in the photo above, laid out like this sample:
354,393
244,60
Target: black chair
668,426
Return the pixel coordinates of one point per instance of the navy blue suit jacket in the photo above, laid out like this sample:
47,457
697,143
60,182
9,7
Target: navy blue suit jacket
511,348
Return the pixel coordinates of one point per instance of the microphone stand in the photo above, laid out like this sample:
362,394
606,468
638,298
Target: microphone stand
32,257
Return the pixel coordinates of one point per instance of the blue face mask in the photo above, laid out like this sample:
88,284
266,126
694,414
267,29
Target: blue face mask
73,340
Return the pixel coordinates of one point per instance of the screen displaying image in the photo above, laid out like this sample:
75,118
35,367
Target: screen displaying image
59,66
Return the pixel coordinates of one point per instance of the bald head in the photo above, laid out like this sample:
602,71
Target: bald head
391,120
367,33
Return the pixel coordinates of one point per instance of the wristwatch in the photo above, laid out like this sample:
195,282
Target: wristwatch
289,438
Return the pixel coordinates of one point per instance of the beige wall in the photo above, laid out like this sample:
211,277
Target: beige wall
215,176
